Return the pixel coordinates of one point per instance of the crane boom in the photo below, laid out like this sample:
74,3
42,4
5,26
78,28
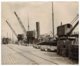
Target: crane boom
11,28
75,19
73,28
20,22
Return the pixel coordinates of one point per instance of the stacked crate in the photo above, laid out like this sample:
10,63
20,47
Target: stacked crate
73,50
73,53
62,47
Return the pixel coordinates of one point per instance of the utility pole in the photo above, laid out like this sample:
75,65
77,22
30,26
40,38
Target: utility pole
52,20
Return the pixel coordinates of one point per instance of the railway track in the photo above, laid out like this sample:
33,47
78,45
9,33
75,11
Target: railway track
23,55
33,55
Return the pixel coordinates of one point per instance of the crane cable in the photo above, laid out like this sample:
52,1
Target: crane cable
74,19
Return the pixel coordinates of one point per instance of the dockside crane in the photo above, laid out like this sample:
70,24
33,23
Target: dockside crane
11,28
74,48
20,22
68,42
19,36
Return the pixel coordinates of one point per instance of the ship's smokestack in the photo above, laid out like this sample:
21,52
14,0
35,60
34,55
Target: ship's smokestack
38,29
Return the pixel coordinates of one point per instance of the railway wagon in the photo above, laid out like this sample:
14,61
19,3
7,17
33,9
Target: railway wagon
68,47
20,37
5,40
74,49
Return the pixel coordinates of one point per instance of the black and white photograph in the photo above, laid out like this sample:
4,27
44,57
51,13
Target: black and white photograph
40,33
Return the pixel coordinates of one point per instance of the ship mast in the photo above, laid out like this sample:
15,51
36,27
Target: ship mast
52,20
28,23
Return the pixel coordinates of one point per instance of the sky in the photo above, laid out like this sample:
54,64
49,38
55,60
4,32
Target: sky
36,12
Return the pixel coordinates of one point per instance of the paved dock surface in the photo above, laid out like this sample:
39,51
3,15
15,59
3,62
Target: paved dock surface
27,55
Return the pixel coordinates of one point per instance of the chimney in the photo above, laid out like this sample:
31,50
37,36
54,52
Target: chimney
38,29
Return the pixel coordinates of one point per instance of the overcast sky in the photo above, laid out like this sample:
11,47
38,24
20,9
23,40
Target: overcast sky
37,12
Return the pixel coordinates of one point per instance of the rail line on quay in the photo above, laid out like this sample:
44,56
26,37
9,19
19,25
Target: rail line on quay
33,55
22,55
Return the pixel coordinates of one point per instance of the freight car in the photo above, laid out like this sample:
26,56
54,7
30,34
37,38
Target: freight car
5,40
68,47
74,49
20,37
